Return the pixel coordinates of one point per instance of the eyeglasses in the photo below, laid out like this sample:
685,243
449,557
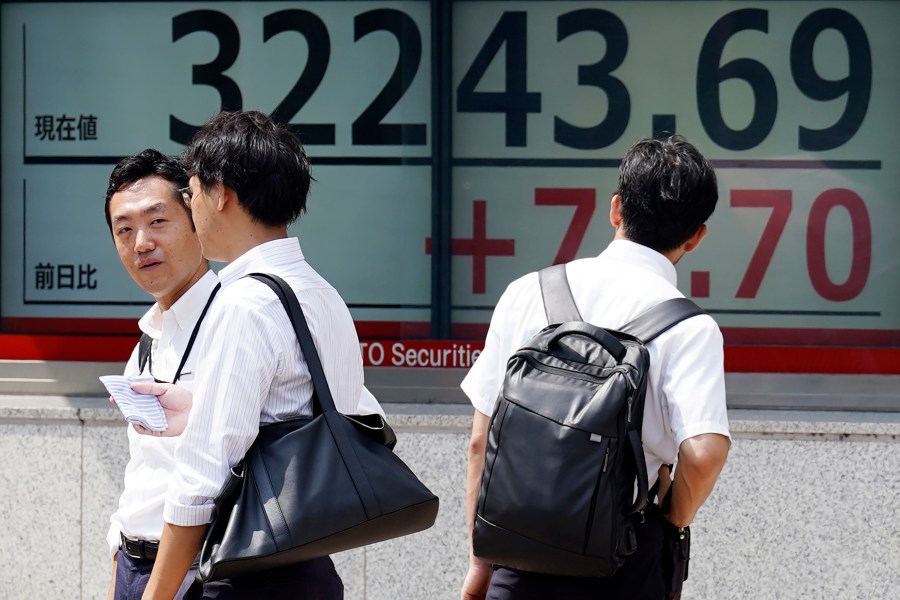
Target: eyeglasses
186,195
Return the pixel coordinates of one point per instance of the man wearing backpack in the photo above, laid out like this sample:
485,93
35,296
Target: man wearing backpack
666,192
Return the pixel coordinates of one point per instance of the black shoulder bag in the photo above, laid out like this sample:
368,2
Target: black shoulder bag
311,487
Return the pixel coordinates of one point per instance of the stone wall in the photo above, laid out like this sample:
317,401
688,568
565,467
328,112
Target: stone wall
804,508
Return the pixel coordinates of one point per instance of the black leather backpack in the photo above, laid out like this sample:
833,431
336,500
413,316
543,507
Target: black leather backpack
564,454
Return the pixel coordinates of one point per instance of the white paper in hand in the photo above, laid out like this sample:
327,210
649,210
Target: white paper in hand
143,409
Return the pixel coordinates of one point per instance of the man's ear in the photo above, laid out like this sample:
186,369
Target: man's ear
694,240
226,195
615,211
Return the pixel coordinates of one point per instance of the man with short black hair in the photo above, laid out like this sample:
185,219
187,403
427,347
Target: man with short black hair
666,192
148,214
249,180
156,242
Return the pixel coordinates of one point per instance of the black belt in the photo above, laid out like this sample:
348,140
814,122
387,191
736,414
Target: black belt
139,549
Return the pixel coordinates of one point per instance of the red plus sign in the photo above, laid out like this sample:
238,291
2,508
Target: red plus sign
479,247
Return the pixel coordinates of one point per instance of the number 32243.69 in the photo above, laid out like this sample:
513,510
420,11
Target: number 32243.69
516,102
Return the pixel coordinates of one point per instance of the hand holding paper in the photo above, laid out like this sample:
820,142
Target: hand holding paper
176,404
140,409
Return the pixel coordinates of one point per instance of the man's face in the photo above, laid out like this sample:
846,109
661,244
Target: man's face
155,239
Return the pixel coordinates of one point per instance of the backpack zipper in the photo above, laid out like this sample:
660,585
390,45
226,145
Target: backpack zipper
590,521
576,374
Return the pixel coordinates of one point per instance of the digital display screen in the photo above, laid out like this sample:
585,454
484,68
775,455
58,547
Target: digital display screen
797,104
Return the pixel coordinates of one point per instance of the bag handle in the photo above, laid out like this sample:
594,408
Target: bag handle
598,334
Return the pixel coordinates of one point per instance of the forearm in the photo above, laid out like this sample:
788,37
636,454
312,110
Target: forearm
478,577
700,460
111,592
178,547
477,448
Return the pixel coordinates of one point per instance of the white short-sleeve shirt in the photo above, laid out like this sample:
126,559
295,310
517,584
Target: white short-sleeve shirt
686,387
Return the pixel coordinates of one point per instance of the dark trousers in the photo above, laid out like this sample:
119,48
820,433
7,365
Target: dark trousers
311,580
640,578
132,575
314,579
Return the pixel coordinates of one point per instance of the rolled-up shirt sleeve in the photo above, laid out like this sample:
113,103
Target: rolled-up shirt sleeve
238,360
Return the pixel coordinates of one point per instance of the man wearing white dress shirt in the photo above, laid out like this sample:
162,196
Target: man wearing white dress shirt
159,248
666,192
249,179
156,242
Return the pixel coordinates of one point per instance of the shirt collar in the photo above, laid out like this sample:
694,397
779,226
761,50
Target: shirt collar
186,310
283,252
641,256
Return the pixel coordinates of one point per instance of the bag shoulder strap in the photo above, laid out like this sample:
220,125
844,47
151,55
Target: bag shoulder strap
145,346
660,318
196,330
323,403
321,400
144,351
559,305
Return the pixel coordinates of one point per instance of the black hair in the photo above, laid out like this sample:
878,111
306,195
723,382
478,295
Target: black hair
262,161
667,191
146,163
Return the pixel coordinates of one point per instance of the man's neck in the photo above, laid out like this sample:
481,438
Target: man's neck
250,238
673,255
166,303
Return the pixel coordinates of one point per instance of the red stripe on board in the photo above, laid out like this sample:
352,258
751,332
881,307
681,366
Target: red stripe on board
738,359
768,350
57,326
830,361
468,331
811,337
82,348
393,329
756,336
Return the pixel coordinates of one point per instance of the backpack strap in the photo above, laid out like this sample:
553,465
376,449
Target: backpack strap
660,318
646,327
144,351
146,343
196,330
559,305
